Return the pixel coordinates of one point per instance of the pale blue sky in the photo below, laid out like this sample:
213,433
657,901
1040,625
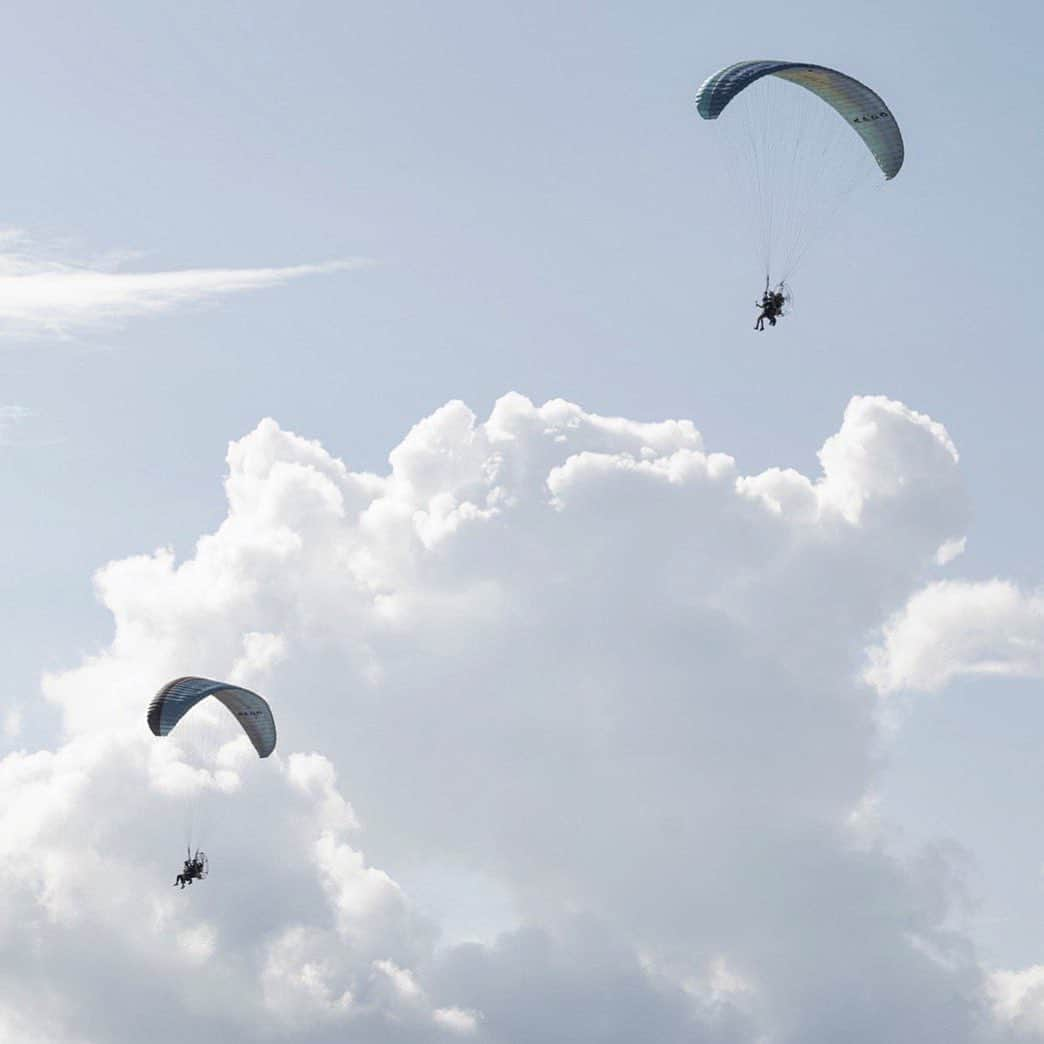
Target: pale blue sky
532,183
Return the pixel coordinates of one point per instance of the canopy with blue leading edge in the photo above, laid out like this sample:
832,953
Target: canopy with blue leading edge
178,697
860,107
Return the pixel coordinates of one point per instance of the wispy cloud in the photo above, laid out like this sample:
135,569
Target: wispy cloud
43,294
9,417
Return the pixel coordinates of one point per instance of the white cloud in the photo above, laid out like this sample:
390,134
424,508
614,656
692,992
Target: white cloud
1018,998
302,981
952,628
9,417
949,550
457,1020
45,295
579,657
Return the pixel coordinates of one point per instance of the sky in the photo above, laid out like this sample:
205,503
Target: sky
636,674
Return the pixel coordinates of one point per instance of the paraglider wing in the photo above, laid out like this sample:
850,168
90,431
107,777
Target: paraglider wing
859,106
178,697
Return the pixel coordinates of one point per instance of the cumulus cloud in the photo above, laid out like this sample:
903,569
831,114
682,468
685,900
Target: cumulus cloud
586,659
951,629
1018,998
41,294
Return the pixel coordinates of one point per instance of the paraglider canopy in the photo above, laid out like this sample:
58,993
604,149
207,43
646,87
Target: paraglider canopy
178,697
859,106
